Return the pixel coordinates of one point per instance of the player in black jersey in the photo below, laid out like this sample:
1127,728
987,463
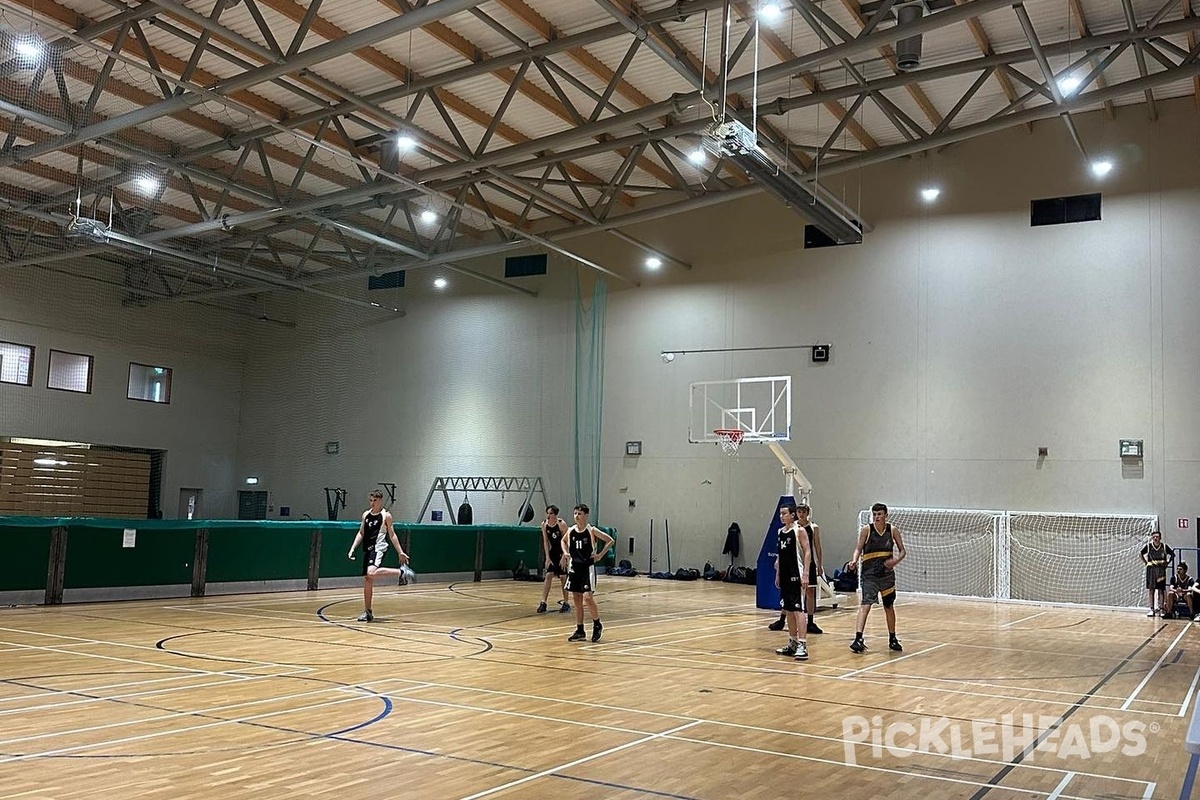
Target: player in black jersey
814,550
374,533
553,530
882,548
580,561
792,562
1156,555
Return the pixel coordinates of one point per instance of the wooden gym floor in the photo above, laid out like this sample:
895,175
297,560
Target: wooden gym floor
463,692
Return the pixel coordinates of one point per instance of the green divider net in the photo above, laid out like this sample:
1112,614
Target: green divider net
26,558
252,553
96,557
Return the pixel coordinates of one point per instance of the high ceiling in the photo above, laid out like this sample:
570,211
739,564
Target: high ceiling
247,146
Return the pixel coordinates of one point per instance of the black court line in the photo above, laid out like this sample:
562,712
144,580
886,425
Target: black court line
994,782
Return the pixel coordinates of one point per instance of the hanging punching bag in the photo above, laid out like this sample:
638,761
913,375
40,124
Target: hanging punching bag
465,515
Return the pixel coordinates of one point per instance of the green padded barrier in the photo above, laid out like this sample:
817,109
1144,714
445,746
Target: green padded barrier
97,559
334,545
26,558
252,553
443,548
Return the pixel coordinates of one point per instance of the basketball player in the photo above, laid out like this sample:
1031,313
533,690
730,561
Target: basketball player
881,548
580,557
792,563
1156,555
814,548
553,530
374,533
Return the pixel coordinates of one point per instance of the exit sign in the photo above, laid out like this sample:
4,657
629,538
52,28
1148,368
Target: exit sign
1183,522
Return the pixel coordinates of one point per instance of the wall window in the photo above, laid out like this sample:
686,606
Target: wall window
16,364
152,384
71,372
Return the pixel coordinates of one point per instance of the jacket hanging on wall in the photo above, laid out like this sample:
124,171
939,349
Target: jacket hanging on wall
733,541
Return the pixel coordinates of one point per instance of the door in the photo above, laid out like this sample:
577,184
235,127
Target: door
189,504
252,505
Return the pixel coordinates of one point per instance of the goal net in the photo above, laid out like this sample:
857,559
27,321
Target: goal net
949,551
1078,558
1089,559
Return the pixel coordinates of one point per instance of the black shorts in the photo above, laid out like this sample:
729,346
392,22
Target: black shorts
582,577
791,594
812,575
555,564
876,585
1156,576
373,557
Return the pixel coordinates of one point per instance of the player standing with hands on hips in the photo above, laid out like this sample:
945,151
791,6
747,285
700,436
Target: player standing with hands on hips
1156,555
579,560
373,533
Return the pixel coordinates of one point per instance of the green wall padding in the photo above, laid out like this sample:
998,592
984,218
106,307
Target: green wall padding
26,558
253,554
96,559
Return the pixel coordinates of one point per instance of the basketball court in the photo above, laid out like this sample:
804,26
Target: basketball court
461,691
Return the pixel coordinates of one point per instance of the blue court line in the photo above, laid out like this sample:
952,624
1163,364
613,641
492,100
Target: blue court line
1178,656
1189,778
387,709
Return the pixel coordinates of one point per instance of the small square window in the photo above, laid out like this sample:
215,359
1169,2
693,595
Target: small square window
16,363
70,372
151,384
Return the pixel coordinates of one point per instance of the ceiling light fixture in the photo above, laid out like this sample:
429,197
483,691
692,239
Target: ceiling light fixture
735,142
404,142
770,11
653,262
29,47
930,193
429,216
147,184
1101,167
1069,83
440,283
697,157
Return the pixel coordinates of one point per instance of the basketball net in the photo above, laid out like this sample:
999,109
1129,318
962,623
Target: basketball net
729,439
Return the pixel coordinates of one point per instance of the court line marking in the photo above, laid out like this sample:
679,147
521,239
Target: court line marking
1023,619
891,661
1187,698
577,762
1058,790
542,700
139,647
164,717
116,697
1170,648
174,731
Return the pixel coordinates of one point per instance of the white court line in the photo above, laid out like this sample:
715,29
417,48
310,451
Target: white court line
891,661
543,700
1058,790
163,717
174,731
129,696
1023,619
1129,700
577,762
101,642
1187,698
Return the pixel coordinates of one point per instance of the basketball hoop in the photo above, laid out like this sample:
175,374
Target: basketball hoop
729,439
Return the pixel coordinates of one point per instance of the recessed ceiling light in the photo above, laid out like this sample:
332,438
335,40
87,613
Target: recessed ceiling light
1102,167
440,283
653,262
428,215
930,193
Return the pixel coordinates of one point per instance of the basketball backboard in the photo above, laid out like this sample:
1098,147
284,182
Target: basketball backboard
760,407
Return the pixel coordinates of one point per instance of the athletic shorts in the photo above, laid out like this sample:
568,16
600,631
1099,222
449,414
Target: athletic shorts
877,585
1156,576
373,556
555,561
791,594
581,577
812,574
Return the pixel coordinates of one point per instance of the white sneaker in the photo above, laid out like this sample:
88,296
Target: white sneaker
1150,613
801,651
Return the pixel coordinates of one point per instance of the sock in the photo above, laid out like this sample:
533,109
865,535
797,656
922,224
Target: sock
858,636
